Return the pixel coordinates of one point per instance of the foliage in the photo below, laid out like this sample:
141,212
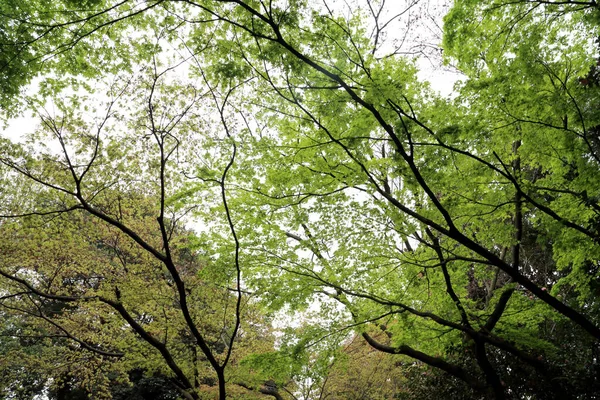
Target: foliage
71,256
322,177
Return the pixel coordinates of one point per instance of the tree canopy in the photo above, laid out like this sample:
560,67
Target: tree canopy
248,198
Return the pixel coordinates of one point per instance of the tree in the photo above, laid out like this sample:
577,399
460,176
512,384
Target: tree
437,185
361,372
95,231
64,272
452,225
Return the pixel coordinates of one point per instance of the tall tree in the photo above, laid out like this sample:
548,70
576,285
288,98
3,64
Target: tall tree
97,228
468,223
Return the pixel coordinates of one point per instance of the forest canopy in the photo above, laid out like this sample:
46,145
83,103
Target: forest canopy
252,199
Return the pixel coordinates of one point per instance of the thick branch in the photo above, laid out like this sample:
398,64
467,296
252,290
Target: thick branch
436,362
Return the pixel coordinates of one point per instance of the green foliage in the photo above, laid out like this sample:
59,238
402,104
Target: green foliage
212,166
